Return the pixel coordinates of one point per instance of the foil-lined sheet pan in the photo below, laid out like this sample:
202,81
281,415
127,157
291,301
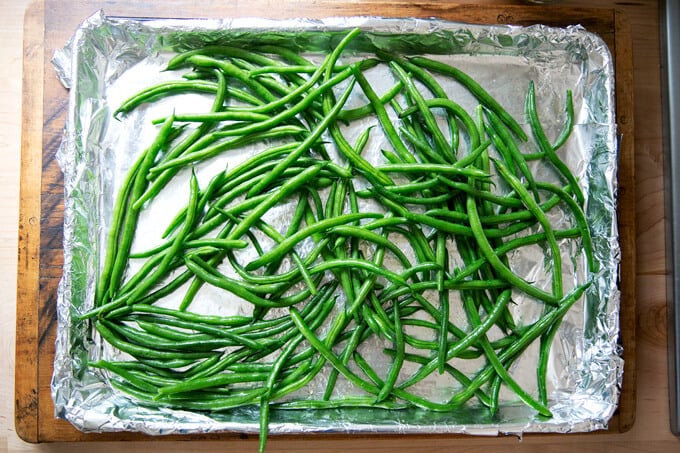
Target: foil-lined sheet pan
108,59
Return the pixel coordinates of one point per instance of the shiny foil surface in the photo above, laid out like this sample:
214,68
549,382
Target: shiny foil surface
109,59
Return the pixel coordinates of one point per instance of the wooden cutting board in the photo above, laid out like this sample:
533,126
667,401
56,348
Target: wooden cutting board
49,23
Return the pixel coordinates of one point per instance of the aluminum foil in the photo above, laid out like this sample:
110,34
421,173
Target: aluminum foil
108,59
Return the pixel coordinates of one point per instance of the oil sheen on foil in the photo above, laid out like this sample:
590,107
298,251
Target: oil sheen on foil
109,59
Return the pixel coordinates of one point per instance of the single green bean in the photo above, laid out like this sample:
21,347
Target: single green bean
547,148
495,362
320,226
385,121
494,260
475,89
440,142
531,204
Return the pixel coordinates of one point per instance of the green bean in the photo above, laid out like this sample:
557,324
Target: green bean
377,192
494,219
454,372
427,220
163,89
118,216
328,63
293,226
290,242
181,59
335,206
153,379
436,315
475,89
146,268
398,361
119,243
238,288
362,112
352,155
316,133
457,110
269,328
140,366
434,168
220,403
527,338
545,223
124,373
362,141
173,250
349,263
283,70
419,343
470,189
199,319
498,366
413,186
495,390
547,148
568,124
141,351
289,276
421,145
225,115
368,235
287,388
167,364
580,218
511,146
436,89
156,186
391,157
169,333
301,266
456,347
212,331
189,329
213,381
440,142
350,347
385,121
276,87
198,343
442,256
513,244
543,357
285,53
322,300
494,260
501,149
269,386
284,191
367,286
450,284
328,354
231,70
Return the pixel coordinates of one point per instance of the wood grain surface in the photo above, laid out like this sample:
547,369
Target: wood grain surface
49,24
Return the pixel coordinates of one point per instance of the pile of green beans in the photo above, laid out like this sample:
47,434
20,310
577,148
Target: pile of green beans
451,201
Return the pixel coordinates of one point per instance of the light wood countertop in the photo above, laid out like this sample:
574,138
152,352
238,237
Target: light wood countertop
651,430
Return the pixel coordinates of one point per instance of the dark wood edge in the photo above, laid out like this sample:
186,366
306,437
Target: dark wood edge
626,128
26,363
501,14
